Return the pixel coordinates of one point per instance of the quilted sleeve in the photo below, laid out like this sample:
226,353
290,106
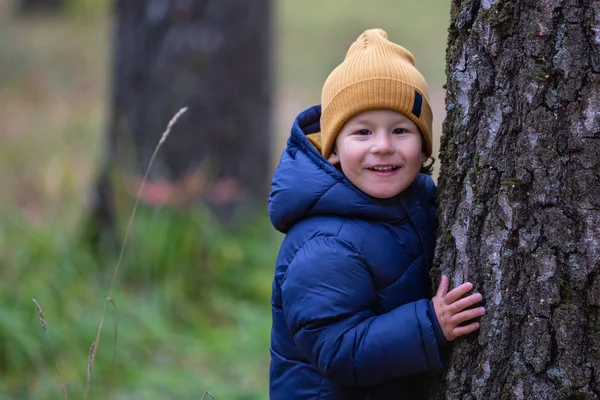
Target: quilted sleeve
327,299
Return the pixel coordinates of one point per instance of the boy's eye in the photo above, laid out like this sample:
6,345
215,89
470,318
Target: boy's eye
400,131
363,132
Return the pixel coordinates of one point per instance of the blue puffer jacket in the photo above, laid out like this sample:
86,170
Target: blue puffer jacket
352,316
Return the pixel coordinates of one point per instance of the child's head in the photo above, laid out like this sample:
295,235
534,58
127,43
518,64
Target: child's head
376,118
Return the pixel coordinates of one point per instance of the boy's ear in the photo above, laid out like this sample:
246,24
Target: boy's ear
333,157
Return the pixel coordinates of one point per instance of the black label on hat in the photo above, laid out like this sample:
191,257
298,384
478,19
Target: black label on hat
417,104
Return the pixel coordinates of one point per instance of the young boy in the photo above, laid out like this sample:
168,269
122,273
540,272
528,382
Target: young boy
353,316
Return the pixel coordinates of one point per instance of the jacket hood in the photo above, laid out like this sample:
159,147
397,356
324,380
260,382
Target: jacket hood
305,185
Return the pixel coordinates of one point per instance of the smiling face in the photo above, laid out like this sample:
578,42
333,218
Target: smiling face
380,152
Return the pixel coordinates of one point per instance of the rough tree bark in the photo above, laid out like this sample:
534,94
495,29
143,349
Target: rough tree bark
520,197
212,56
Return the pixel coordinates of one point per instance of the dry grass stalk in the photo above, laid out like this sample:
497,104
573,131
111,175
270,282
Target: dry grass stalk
114,358
63,384
89,368
128,230
208,394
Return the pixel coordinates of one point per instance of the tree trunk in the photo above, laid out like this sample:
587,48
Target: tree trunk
519,191
213,57
39,6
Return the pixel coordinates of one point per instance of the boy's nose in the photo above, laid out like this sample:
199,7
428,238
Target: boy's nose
383,144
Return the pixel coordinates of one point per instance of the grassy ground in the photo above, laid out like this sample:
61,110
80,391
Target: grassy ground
193,299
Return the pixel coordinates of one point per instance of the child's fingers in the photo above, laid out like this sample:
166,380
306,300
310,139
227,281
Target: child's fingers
467,302
443,288
467,315
458,292
465,330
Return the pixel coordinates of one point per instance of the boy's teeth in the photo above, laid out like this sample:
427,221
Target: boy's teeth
384,168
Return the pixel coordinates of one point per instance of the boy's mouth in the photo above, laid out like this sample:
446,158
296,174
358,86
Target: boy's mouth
384,168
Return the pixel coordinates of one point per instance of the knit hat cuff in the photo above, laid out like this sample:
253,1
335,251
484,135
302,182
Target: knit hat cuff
371,94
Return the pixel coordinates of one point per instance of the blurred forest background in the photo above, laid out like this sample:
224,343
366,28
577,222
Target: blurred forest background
193,293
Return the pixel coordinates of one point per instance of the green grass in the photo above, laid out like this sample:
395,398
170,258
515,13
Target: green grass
193,314
193,297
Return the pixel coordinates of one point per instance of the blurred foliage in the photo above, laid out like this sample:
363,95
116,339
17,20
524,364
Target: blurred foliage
193,303
313,36
86,9
192,296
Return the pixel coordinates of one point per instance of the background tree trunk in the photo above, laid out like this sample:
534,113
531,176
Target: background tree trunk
39,6
520,197
212,56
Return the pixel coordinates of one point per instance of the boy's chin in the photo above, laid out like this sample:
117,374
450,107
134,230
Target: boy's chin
382,193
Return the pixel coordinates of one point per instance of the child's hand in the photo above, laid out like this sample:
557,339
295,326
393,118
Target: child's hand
449,309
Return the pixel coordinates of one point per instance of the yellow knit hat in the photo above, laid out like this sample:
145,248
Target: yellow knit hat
376,74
